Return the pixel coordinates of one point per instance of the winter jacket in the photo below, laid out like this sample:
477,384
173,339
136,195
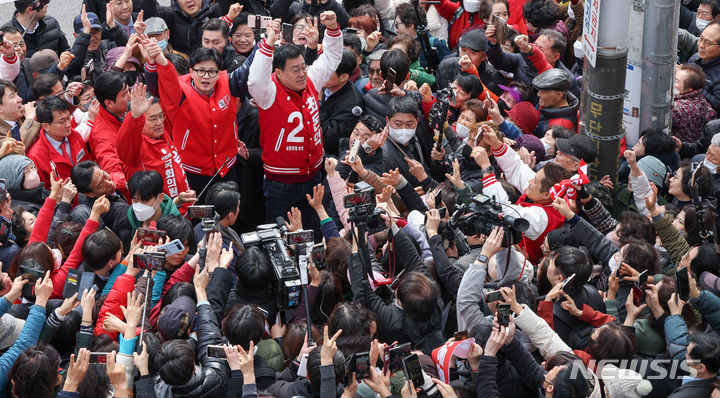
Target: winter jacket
100,9
418,148
290,129
47,34
9,67
670,237
27,338
117,297
286,9
460,20
42,151
695,388
519,64
488,74
185,31
167,206
103,144
712,78
690,114
139,152
336,116
690,149
709,306
566,116
290,385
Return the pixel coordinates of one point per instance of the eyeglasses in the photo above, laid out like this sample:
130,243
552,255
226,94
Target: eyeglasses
209,73
156,118
62,122
299,27
704,41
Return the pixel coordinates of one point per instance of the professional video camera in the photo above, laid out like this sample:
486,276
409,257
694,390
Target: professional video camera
438,113
361,208
483,215
268,238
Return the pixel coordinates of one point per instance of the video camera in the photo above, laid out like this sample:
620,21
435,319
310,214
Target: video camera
361,208
483,214
268,238
438,113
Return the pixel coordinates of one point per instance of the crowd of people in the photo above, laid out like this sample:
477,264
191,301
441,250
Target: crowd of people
329,198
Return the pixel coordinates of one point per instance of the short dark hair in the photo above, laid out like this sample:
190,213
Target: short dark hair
706,350
4,85
408,15
559,42
657,142
541,13
244,324
703,179
571,260
48,105
108,85
402,105
641,256
614,341
397,60
177,362
696,76
44,84
147,184
707,259
10,29
82,174
284,53
419,295
214,25
470,84
353,42
100,247
572,381
205,54
561,132
348,63
254,270
177,227
411,46
33,374
355,321
313,366
553,175
178,290
22,5
225,196
179,62
634,226
714,9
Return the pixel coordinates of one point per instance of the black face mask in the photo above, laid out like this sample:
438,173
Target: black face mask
504,108
130,77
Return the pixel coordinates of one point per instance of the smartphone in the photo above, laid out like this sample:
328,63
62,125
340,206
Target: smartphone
460,336
396,355
493,296
201,211
254,21
389,82
265,21
150,237
349,364
354,150
637,294
351,31
171,248
54,170
442,211
216,352
413,371
566,281
318,256
287,32
98,357
149,261
87,281
362,365
503,314
263,311
682,285
500,28
642,279
300,237
72,284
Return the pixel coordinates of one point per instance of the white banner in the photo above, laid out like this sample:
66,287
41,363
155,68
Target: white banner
591,22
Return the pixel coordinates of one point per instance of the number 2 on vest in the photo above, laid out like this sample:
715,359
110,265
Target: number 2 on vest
293,136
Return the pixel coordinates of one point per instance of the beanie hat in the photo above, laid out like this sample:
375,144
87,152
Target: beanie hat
532,143
10,328
176,319
653,169
624,383
12,169
525,116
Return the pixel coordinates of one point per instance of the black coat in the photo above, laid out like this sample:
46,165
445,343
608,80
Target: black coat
47,35
569,113
99,7
286,9
449,69
337,118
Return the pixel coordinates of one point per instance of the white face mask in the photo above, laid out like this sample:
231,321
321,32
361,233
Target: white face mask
58,258
401,136
32,180
462,130
548,148
710,165
363,43
471,5
142,211
701,23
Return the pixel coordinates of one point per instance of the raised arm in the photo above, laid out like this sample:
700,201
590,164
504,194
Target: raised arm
324,67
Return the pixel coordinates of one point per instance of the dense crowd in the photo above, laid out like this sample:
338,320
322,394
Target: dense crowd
328,198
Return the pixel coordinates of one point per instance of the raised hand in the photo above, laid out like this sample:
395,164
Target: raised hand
100,207
392,178
315,200
480,156
372,40
139,24
117,376
378,140
139,103
85,20
78,367
273,32
455,178
466,64
68,191
490,33
329,347
432,222
43,290
563,208
234,11
65,59
295,220
330,166
416,168
523,43
329,20
141,360
312,33
426,93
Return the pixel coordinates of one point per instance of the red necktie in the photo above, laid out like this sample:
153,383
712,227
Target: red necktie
65,153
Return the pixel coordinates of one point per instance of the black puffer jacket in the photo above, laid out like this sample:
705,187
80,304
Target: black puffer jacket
449,69
47,35
209,381
569,113
99,7
337,118
287,9
186,31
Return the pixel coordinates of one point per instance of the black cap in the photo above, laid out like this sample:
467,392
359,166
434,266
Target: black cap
553,79
474,40
579,145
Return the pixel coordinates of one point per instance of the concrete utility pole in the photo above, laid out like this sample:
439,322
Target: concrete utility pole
605,45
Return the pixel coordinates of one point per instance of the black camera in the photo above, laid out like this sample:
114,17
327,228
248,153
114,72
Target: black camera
438,113
484,214
268,238
361,208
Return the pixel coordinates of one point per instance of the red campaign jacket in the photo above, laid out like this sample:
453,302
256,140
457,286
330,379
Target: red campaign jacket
140,152
460,20
42,152
203,127
555,221
103,141
117,297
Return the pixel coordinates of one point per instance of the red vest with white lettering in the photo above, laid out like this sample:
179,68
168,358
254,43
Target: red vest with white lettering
555,221
290,135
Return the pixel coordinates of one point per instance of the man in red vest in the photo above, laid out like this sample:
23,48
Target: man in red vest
535,204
